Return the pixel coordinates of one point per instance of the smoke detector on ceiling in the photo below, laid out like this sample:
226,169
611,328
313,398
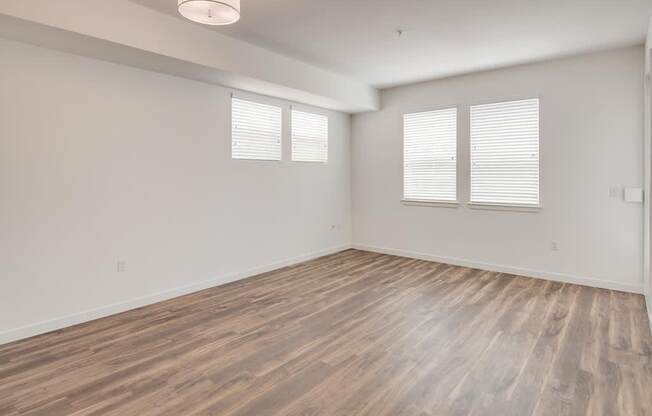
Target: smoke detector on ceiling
210,12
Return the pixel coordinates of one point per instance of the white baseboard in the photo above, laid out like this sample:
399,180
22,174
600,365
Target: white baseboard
107,310
537,274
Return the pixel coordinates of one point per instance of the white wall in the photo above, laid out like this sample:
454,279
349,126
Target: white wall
647,247
591,139
100,162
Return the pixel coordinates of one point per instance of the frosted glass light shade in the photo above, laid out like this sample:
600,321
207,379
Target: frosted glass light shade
211,12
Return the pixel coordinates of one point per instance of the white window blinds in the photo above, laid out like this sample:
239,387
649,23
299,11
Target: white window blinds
430,156
505,153
255,130
309,137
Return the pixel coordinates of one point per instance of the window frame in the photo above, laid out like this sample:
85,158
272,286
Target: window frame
294,108
428,202
513,207
260,101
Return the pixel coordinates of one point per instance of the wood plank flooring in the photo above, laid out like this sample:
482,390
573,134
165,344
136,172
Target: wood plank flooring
355,333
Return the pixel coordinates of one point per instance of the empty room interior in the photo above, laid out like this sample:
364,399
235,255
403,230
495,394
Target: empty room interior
325,207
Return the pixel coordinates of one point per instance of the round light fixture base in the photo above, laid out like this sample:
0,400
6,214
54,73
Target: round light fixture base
210,12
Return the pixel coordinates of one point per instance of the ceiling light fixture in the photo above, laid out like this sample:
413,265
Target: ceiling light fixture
211,12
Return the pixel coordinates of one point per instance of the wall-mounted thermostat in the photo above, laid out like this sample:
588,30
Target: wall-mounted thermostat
634,194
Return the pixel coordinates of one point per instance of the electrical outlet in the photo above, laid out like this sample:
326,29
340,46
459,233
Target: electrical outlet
554,246
121,266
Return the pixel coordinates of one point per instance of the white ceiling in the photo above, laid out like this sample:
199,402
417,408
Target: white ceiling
441,37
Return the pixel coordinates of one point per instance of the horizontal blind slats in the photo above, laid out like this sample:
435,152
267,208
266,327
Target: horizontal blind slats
255,130
430,155
309,137
505,152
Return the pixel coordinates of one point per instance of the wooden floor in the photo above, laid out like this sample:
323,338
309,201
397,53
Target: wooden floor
354,333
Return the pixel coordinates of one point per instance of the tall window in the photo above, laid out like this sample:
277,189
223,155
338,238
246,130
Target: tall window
430,156
255,130
505,153
309,137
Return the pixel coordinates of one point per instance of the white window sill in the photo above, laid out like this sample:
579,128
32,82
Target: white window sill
505,207
440,204
249,159
311,162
